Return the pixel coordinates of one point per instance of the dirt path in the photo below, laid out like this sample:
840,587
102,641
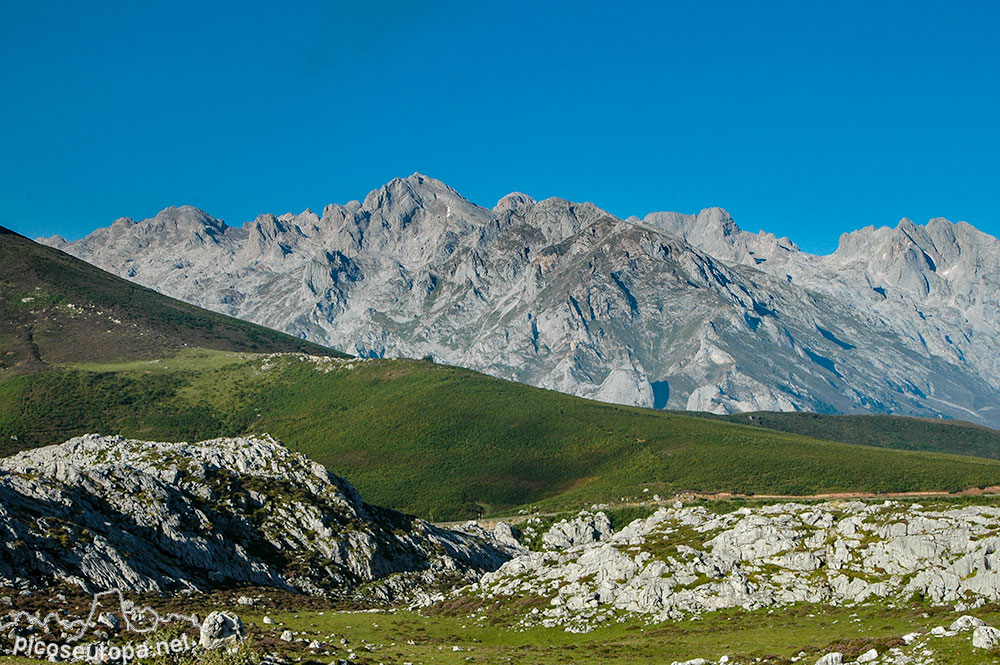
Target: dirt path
490,522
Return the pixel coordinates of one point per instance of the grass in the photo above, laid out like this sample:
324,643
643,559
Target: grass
903,433
442,442
744,636
775,638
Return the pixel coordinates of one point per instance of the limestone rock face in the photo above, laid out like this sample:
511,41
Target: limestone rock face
582,530
683,561
677,311
103,512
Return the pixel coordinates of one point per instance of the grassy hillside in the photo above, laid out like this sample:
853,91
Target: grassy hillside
898,432
440,442
57,309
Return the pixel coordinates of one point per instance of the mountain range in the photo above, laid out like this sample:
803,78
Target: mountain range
86,351
668,311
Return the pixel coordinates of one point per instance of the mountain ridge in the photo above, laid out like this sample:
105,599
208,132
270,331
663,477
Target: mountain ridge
670,311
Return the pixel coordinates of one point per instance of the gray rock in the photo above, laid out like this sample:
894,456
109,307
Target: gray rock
161,517
582,530
985,637
221,630
965,622
108,620
687,560
868,656
834,658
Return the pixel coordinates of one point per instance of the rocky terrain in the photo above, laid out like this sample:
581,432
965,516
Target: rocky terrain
685,561
677,311
101,513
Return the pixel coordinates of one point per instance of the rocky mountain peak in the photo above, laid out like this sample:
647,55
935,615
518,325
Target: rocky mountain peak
682,311
187,217
57,241
714,231
718,218
512,203
416,190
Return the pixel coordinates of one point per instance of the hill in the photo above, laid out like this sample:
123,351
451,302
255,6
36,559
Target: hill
900,432
58,309
443,442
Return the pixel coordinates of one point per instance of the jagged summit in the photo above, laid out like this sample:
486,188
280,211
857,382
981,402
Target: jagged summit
677,311
714,231
513,202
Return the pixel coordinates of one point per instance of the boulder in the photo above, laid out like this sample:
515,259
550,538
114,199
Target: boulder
834,658
985,637
966,622
221,630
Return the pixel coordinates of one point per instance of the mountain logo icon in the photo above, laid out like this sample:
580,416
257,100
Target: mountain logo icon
108,609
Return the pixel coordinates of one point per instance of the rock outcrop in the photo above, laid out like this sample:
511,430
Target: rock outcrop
586,528
106,512
677,311
684,561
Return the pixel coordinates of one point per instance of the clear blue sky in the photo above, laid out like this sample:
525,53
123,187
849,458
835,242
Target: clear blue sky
803,118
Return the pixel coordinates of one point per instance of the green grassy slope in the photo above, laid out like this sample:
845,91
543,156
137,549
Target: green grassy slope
899,432
438,441
57,309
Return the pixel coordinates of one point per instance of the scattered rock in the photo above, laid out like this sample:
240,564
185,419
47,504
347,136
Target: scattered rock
109,620
689,560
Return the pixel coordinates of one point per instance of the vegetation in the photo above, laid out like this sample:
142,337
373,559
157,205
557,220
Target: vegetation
799,633
900,432
58,309
444,443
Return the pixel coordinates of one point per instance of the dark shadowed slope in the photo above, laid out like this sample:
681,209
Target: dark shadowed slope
952,436
57,309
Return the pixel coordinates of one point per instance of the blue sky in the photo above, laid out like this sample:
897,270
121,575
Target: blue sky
804,118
